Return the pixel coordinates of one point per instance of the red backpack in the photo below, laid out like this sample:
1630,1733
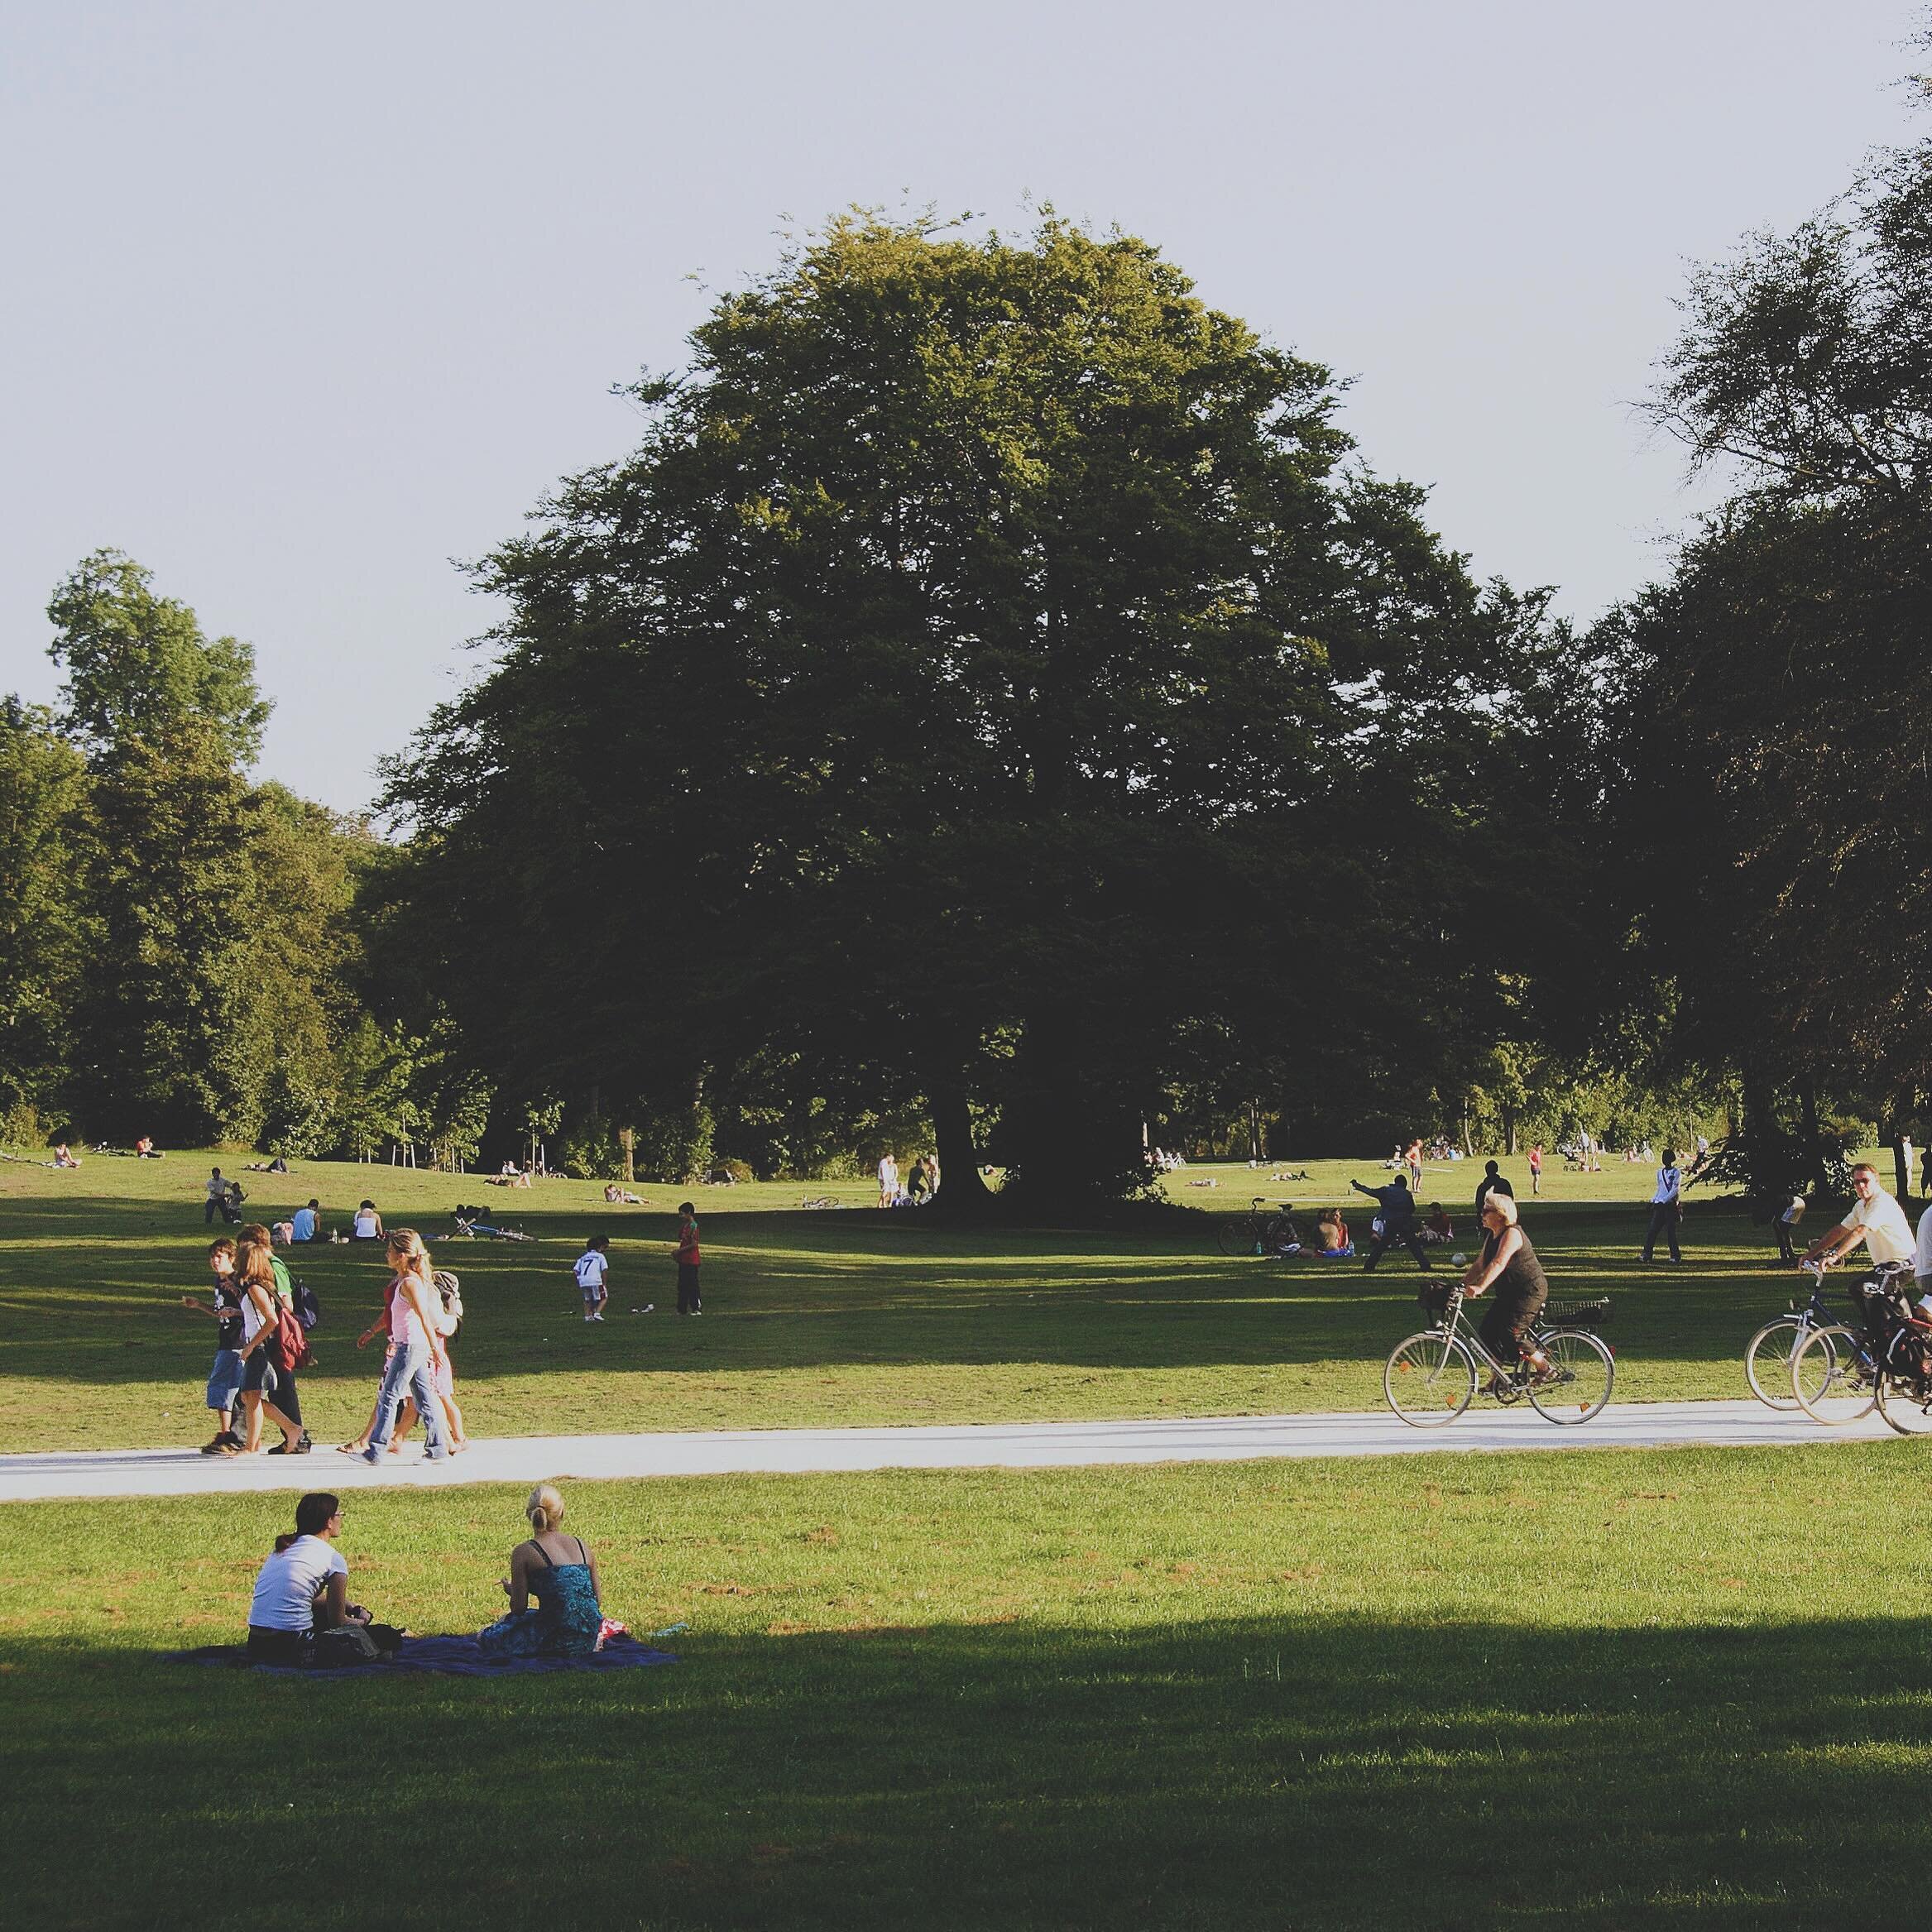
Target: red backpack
287,1346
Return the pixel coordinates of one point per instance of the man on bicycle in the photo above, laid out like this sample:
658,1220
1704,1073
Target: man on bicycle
1876,1218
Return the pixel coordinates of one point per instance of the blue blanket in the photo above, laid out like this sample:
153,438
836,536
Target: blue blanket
445,1656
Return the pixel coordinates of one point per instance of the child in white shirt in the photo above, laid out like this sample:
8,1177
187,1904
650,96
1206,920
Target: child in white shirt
591,1266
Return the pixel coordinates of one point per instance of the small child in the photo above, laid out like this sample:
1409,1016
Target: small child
224,1378
591,1266
687,1300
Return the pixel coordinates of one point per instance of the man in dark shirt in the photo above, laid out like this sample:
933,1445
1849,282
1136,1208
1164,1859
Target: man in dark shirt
1398,1223
1491,1179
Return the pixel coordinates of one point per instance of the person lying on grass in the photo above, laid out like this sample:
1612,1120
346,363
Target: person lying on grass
300,1612
567,1619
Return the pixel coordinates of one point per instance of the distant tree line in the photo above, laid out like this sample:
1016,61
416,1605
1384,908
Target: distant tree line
994,708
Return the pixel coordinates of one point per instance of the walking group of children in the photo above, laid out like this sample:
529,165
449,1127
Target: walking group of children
592,1269
260,1344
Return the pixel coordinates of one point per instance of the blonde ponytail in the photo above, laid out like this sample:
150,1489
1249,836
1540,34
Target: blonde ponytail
544,1509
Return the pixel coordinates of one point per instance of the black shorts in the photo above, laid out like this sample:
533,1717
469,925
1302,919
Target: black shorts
258,1376
1505,1324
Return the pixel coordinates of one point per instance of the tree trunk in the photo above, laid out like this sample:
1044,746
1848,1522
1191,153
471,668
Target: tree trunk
960,1188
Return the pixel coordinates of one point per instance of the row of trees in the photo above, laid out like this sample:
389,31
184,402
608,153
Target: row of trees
994,699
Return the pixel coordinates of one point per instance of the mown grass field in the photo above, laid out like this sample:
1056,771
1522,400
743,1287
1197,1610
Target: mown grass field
1607,1691
812,1317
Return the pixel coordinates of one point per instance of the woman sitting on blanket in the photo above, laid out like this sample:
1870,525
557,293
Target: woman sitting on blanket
1333,1233
559,1570
300,1612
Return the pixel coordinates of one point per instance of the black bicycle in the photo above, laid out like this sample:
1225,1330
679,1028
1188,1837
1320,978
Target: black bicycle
1261,1230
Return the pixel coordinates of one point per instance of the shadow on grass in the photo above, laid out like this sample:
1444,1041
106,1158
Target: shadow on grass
1275,1772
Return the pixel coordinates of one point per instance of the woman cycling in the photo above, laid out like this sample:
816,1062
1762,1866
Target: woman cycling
1508,1272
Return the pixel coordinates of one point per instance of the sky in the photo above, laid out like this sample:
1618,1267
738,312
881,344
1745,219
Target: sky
306,306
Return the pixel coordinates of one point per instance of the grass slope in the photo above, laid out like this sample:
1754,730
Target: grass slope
1607,1691
812,1317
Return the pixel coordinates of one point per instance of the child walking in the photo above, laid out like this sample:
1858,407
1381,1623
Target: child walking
687,1300
591,1266
224,1379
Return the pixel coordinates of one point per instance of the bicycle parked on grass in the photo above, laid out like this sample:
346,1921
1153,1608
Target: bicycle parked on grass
1882,1361
1430,1378
1260,1231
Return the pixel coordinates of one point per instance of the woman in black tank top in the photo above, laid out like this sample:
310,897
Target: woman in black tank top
1508,1272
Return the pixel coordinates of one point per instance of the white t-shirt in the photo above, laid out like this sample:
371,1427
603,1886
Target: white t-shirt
303,1224
1888,1234
285,1592
365,1219
1922,1255
590,1270
888,1173
1668,1181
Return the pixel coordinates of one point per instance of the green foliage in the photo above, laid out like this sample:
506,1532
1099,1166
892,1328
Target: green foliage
139,668
589,1150
1005,656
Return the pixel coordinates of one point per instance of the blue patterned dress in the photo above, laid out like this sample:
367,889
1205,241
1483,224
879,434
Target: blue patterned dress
565,1621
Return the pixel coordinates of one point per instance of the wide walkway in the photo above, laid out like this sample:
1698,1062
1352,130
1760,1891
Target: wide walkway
531,1458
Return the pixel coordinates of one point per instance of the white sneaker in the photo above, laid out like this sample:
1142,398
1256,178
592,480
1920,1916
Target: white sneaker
597,1318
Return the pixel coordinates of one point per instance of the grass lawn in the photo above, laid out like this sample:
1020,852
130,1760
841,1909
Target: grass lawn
1605,1691
812,1317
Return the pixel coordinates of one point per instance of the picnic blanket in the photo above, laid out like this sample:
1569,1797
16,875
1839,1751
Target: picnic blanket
442,1657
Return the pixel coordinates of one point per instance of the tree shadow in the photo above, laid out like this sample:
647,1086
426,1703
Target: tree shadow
1285,1771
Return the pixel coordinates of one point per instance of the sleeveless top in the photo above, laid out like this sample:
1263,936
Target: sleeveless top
1523,1279
568,1614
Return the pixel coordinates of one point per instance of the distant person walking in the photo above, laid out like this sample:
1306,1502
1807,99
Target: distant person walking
1412,1160
687,1257
1666,1207
217,1190
1537,1168
887,1182
1786,1225
415,1312
1396,1224
1492,1183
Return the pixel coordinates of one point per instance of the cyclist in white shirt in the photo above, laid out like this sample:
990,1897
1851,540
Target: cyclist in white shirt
1876,1218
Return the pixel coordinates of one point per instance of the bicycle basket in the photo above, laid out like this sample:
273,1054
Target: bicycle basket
1575,1314
1434,1297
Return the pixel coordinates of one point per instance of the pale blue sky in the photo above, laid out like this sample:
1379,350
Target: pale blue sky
303,303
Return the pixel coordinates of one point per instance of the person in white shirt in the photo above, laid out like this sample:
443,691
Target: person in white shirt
1665,1206
887,1182
1876,1218
1922,1261
302,1588
591,1266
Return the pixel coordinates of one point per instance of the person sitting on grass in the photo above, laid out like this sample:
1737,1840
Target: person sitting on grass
1333,1233
300,1612
1438,1227
566,1620
368,1224
63,1159
621,1196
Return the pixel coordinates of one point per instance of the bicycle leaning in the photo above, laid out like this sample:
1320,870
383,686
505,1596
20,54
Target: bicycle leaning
1883,1360
1257,1232
1429,1378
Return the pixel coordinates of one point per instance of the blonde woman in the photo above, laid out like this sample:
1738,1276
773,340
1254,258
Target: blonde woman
415,1312
567,1619
1508,1272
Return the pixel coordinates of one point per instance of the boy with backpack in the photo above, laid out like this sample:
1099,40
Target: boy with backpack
224,1378
591,1266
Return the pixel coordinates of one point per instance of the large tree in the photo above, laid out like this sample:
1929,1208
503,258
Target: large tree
1779,688
987,667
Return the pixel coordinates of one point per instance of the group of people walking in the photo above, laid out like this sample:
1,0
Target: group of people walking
300,1612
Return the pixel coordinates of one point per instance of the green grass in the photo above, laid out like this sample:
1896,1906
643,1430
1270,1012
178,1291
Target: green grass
812,1318
1609,1690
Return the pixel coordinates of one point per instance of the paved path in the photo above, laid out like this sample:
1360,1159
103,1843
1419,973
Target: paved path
530,1459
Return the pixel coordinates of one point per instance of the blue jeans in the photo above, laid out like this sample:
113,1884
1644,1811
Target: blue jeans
408,1372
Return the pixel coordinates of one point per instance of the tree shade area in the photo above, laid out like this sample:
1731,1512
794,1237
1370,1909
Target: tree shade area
994,710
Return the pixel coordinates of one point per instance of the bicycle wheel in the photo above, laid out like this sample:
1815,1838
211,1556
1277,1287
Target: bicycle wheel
1831,1375
1581,1374
1905,1398
1237,1234
1428,1380
1768,1356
